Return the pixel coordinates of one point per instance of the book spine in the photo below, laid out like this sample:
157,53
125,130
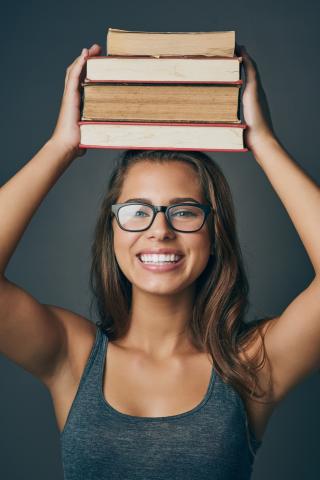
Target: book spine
130,147
167,124
87,81
191,57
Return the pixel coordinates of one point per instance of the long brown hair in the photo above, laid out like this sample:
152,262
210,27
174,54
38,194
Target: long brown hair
221,299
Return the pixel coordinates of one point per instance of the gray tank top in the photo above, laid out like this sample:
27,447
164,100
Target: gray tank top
211,441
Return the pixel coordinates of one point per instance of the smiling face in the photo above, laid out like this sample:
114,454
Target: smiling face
160,183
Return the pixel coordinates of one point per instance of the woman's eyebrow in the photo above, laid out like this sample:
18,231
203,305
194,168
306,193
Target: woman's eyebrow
171,201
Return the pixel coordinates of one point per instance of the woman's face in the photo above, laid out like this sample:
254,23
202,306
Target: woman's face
160,183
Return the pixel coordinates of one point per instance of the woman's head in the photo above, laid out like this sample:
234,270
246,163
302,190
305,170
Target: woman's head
162,184
160,176
211,269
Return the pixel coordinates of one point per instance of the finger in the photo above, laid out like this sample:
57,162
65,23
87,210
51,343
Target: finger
83,54
77,65
95,49
246,57
237,50
250,68
73,75
71,66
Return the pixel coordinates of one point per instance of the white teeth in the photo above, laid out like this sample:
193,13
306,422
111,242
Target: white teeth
162,258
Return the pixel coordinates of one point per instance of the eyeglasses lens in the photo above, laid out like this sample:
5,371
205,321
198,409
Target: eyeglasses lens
182,217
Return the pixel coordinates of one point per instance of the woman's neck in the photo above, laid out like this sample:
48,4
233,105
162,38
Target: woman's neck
159,324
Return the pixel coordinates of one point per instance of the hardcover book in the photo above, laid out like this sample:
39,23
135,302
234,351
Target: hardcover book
209,44
162,136
161,103
196,69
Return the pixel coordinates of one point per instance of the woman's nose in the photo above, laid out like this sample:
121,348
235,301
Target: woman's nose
160,225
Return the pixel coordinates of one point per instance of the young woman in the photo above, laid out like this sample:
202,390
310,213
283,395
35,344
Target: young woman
171,383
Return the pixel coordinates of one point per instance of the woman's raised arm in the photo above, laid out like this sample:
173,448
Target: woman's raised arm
32,334
293,342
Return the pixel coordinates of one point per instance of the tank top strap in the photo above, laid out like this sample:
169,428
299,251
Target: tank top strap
91,375
229,395
87,394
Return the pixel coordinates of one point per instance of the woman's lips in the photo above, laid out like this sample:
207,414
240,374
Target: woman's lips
152,267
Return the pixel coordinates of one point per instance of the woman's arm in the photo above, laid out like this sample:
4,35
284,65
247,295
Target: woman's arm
30,333
293,342
22,194
298,192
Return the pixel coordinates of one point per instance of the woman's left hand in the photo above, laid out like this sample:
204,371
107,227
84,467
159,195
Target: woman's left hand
255,106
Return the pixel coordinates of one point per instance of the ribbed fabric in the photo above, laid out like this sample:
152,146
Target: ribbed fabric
211,441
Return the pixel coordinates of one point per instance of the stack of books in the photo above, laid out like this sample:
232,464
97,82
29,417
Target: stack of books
163,90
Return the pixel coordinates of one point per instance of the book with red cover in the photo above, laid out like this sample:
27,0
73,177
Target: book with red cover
214,137
182,69
173,103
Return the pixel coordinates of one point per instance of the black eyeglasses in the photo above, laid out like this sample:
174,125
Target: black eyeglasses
182,217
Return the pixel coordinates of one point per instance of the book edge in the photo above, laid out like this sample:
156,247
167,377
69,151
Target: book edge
165,124
130,147
118,30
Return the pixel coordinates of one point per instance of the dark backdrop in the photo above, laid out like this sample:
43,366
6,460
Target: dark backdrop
39,39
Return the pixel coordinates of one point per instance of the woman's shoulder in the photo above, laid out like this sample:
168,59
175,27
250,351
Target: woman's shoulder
79,335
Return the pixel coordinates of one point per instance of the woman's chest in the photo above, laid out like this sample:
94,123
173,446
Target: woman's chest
136,386
140,388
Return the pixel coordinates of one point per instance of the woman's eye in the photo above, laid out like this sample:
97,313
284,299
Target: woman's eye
184,213
140,211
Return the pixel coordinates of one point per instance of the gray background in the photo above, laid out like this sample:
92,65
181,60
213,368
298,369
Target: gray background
38,41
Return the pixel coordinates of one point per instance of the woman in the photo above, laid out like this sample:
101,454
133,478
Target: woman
171,383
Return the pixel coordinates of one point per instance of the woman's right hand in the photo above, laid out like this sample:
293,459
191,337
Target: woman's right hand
66,134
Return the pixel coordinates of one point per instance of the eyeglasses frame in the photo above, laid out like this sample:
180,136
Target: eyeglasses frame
162,208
